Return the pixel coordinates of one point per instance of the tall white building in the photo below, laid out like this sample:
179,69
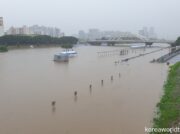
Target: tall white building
1,26
152,33
94,34
82,35
148,32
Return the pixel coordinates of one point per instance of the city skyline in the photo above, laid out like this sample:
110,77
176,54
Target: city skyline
20,30
118,15
34,30
91,34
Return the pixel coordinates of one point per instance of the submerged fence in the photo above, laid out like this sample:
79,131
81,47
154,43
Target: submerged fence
113,52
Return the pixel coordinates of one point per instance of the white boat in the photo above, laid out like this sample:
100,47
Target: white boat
61,57
65,55
70,53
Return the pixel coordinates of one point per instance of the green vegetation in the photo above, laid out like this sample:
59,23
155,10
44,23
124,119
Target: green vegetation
3,49
16,40
176,43
67,46
169,106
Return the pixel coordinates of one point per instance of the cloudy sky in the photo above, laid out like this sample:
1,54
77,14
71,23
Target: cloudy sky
73,15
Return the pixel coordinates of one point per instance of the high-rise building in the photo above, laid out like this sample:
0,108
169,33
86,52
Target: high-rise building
1,26
148,33
94,34
35,30
82,35
152,33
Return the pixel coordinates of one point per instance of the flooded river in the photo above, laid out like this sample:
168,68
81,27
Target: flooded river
30,80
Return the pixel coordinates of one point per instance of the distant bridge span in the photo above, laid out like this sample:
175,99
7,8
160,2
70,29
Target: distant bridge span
113,42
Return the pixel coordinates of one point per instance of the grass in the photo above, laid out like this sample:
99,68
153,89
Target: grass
3,49
168,114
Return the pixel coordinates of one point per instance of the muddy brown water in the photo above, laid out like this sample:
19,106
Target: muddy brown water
30,80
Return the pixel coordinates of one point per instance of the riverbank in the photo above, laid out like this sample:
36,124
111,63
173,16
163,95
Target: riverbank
168,114
168,56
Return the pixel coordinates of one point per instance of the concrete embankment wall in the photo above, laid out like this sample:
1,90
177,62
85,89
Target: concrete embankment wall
168,56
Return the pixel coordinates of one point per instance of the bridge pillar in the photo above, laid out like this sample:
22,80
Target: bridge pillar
149,44
94,43
111,44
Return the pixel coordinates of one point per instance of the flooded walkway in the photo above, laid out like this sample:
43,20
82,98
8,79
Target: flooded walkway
37,95
175,59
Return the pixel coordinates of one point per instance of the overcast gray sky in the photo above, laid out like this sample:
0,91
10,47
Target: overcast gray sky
73,15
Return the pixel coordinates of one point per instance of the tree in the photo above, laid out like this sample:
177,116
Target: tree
3,49
67,46
177,42
14,40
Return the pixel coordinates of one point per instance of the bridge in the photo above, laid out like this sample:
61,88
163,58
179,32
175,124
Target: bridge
112,42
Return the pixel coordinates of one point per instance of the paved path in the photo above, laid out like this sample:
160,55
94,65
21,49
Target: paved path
175,59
